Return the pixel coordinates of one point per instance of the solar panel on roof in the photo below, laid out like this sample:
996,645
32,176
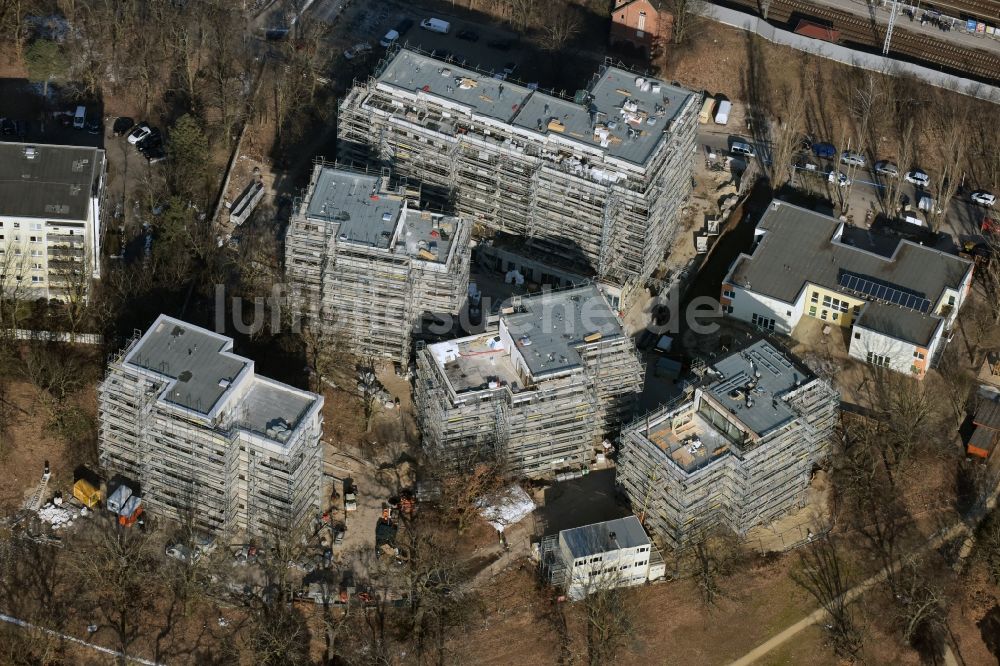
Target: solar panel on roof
884,292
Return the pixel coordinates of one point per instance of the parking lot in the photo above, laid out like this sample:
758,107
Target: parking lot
487,47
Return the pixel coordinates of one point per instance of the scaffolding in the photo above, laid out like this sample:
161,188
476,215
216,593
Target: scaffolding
740,480
217,471
374,292
536,424
552,192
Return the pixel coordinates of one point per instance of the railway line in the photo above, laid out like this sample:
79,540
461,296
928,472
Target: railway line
859,31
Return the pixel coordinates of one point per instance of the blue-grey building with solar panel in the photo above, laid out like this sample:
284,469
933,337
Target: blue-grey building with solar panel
898,299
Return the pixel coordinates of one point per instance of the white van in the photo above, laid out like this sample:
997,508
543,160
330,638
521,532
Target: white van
80,117
722,113
436,25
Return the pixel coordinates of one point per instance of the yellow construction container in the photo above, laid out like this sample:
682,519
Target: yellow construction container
88,495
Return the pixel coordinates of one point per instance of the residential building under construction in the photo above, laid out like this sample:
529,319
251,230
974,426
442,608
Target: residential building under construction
593,185
366,266
739,454
210,442
538,392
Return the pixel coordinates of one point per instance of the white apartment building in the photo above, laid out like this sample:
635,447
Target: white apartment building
206,438
899,299
50,219
614,553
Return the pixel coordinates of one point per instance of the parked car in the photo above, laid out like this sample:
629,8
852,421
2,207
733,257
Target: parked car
852,159
467,35
122,125
501,44
918,177
745,149
884,168
827,150
155,155
390,38
436,25
983,198
93,127
151,140
839,178
359,49
139,132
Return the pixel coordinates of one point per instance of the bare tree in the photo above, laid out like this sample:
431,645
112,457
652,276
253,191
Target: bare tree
821,574
953,146
559,28
610,613
685,15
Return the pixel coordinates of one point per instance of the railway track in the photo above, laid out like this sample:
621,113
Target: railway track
858,30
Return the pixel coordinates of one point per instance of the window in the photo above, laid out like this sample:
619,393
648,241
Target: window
35,278
919,355
951,300
857,336
827,301
835,315
642,22
37,226
812,310
879,360
34,239
729,294
17,225
857,310
822,315
815,297
762,322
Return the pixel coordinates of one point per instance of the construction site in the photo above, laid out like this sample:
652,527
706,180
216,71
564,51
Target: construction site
738,454
364,265
591,185
205,440
537,393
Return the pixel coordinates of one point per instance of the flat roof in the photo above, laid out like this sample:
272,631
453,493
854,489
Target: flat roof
798,246
367,214
475,362
355,202
50,182
547,328
490,97
202,371
273,409
605,537
623,115
752,384
899,322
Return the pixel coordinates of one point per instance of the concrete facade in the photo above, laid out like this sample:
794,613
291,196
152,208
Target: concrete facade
50,220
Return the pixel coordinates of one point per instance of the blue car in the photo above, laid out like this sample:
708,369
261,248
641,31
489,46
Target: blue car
827,150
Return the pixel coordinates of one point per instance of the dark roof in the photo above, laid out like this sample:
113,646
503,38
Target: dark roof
596,539
798,247
56,183
983,438
899,322
778,375
988,414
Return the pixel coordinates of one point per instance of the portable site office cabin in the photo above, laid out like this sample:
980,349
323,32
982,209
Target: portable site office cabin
722,114
706,110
